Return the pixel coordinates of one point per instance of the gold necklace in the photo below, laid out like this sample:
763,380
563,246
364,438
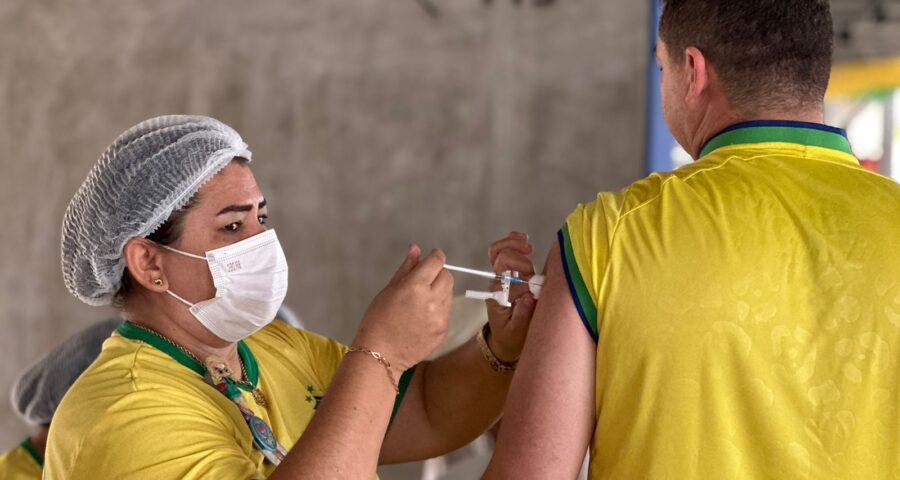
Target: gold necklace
258,396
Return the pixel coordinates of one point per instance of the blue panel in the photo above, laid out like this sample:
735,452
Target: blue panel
659,140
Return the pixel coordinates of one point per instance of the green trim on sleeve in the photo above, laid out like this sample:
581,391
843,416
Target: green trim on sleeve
583,302
402,385
32,452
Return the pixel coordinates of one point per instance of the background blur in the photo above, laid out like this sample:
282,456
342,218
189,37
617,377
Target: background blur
373,124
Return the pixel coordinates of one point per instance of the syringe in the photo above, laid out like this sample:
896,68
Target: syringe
535,284
493,276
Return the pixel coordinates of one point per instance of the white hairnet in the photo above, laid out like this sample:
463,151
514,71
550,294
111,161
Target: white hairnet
37,393
150,171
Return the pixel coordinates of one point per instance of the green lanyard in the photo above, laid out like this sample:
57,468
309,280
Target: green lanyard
263,437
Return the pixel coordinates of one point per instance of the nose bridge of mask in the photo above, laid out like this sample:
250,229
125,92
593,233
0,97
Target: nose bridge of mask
226,262
251,281
231,261
245,258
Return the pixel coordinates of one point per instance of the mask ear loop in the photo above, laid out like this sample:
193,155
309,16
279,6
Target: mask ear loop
189,304
186,254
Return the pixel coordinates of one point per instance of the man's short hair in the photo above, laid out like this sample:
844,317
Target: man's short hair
769,54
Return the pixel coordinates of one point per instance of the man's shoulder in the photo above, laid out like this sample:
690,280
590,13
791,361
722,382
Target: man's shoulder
612,205
651,189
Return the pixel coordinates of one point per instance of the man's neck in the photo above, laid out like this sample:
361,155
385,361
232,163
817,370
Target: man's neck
713,123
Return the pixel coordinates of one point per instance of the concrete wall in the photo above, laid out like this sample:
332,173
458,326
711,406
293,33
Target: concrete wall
373,124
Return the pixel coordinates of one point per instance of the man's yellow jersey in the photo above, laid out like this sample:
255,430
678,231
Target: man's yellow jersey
746,310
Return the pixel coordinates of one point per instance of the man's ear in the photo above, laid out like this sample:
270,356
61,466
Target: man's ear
698,69
144,262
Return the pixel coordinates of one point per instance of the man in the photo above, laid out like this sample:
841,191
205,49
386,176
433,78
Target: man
37,393
737,318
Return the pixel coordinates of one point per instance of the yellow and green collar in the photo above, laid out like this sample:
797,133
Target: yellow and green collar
32,452
130,331
762,131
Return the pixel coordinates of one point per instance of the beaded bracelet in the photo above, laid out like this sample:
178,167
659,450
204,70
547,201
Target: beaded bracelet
380,358
496,364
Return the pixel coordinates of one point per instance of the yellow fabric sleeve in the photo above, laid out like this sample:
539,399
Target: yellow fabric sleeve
19,464
584,244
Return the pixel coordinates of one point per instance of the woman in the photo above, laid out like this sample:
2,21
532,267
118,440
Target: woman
198,383
38,391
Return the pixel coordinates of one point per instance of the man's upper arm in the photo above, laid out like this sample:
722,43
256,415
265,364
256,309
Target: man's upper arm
549,415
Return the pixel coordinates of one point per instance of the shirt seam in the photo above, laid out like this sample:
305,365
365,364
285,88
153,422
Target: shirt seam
621,218
725,162
728,160
133,366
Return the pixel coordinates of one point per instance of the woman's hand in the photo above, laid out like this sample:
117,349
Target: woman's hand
509,325
408,319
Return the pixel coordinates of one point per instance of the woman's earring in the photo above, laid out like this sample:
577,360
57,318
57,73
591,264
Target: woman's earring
158,282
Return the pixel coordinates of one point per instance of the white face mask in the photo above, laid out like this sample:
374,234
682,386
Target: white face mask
251,280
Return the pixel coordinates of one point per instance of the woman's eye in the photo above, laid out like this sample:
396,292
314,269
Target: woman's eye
232,227
262,219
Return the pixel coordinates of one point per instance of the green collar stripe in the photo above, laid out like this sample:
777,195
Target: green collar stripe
133,332
800,135
28,447
129,330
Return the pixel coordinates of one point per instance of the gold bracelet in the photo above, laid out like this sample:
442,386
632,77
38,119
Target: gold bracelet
496,364
380,358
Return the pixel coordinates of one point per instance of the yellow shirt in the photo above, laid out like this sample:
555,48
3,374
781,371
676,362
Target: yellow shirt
21,463
137,412
747,313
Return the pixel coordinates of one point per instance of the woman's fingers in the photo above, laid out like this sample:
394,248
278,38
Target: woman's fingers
517,241
515,261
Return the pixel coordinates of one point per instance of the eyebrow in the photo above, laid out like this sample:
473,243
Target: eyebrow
240,208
